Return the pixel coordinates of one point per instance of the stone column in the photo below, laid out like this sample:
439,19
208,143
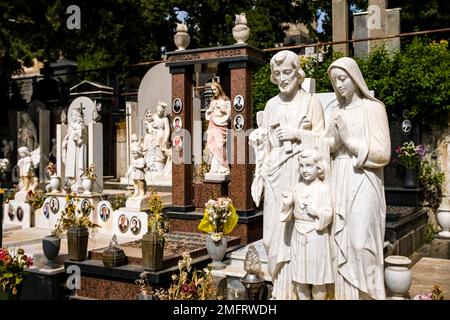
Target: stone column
339,15
377,22
182,175
241,170
61,131
95,153
44,143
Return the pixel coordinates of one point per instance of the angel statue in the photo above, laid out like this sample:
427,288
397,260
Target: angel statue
27,163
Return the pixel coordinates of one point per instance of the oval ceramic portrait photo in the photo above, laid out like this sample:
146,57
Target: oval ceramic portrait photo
177,143
104,210
19,213
177,124
135,225
238,103
238,122
123,223
177,106
54,205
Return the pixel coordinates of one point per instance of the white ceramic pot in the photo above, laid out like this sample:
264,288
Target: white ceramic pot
241,32
443,218
397,276
87,185
54,184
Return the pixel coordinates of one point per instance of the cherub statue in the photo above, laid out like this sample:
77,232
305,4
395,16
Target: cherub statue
136,171
26,170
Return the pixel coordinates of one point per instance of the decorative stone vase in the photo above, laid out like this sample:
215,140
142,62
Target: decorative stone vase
55,183
142,296
216,251
410,178
51,246
397,276
77,242
182,37
87,186
443,218
9,296
152,251
241,31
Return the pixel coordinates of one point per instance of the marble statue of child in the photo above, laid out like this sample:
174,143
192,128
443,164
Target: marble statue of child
136,172
26,169
309,205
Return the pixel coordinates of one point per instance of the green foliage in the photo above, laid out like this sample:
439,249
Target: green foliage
432,182
263,88
430,232
73,217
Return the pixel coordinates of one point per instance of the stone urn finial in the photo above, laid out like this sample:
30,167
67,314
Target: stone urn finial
241,31
182,37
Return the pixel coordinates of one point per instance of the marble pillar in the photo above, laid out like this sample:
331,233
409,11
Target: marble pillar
339,16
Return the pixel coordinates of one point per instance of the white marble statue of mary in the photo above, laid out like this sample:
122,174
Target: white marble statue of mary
75,149
360,147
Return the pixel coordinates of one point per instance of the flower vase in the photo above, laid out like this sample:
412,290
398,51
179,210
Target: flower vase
7,295
77,243
54,184
152,251
443,218
397,276
51,246
216,250
87,186
410,178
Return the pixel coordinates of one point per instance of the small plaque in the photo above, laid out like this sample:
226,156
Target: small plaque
238,103
238,122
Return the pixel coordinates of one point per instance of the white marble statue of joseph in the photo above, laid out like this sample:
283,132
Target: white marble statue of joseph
277,143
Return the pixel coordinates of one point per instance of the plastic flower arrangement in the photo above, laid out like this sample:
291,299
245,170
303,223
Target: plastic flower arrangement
89,173
51,169
188,284
12,270
157,221
434,294
73,217
219,219
410,155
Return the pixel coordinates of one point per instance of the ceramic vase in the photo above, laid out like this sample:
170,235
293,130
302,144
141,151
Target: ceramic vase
443,218
216,251
182,37
241,31
410,178
54,184
397,276
77,243
87,186
152,251
51,246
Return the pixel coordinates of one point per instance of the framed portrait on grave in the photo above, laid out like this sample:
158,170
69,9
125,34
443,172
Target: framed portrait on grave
177,106
54,205
177,143
177,124
11,212
46,210
86,207
135,225
238,122
123,223
104,210
19,213
238,103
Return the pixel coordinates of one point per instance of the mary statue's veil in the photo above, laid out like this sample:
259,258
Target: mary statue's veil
351,67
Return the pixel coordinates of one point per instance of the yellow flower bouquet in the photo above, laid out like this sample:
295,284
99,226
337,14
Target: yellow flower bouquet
219,219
